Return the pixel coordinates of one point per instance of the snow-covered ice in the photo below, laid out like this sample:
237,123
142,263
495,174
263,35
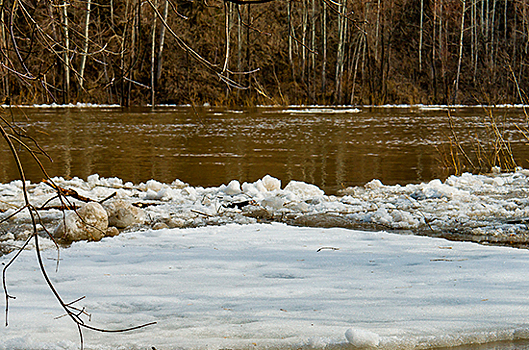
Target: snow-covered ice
272,285
233,267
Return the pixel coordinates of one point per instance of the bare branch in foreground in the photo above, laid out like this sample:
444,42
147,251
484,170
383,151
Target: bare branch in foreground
10,136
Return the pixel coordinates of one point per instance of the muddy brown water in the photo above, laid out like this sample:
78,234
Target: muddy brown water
332,148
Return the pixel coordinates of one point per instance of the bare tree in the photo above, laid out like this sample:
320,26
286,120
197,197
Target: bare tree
86,42
340,54
66,51
421,29
460,59
153,54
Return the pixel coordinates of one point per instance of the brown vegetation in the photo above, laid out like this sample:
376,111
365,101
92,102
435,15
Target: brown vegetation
134,52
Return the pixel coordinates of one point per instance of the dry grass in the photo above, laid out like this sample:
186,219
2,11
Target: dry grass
481,153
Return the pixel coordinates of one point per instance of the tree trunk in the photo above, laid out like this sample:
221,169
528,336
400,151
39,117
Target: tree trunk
462,31
153,56
290,32
492,40
342,29
356,59
249,21
304,25
239,45
86,41
324,49
162,42
421,35
312,73
4,48
377,30
66,31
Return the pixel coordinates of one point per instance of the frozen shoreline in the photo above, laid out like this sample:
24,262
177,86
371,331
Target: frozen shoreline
482,208
268,286
219,268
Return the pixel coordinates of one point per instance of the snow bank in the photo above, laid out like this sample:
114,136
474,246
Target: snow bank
483,208
264,286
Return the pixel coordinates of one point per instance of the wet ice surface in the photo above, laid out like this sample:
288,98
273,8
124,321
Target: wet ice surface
219,268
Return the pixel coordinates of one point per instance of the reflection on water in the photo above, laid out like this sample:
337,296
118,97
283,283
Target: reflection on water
332,148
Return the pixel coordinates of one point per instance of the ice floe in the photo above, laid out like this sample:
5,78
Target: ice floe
270,286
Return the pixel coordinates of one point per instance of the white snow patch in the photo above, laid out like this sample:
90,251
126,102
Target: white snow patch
271,286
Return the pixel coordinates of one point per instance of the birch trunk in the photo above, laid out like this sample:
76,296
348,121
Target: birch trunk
356,59
66,57
313,36
86,41
290,33
324,39
377,30
162,42
312,73
492,39
133,17
153,56
304,19
421,35
4,48
227,18
239,44
340,52
462,31
474,41
248,21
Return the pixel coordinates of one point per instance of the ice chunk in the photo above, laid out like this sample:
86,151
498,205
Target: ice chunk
234,187
123,214
151,195
374,184
381,216
90,222
498,181
260,188
360,338
271,183
254,190
178,184
154,185
273,202
190,192
93,180
304,190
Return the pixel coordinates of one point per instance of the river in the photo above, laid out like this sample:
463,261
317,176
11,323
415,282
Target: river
333,148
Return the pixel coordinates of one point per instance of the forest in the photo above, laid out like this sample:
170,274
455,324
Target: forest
272,52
